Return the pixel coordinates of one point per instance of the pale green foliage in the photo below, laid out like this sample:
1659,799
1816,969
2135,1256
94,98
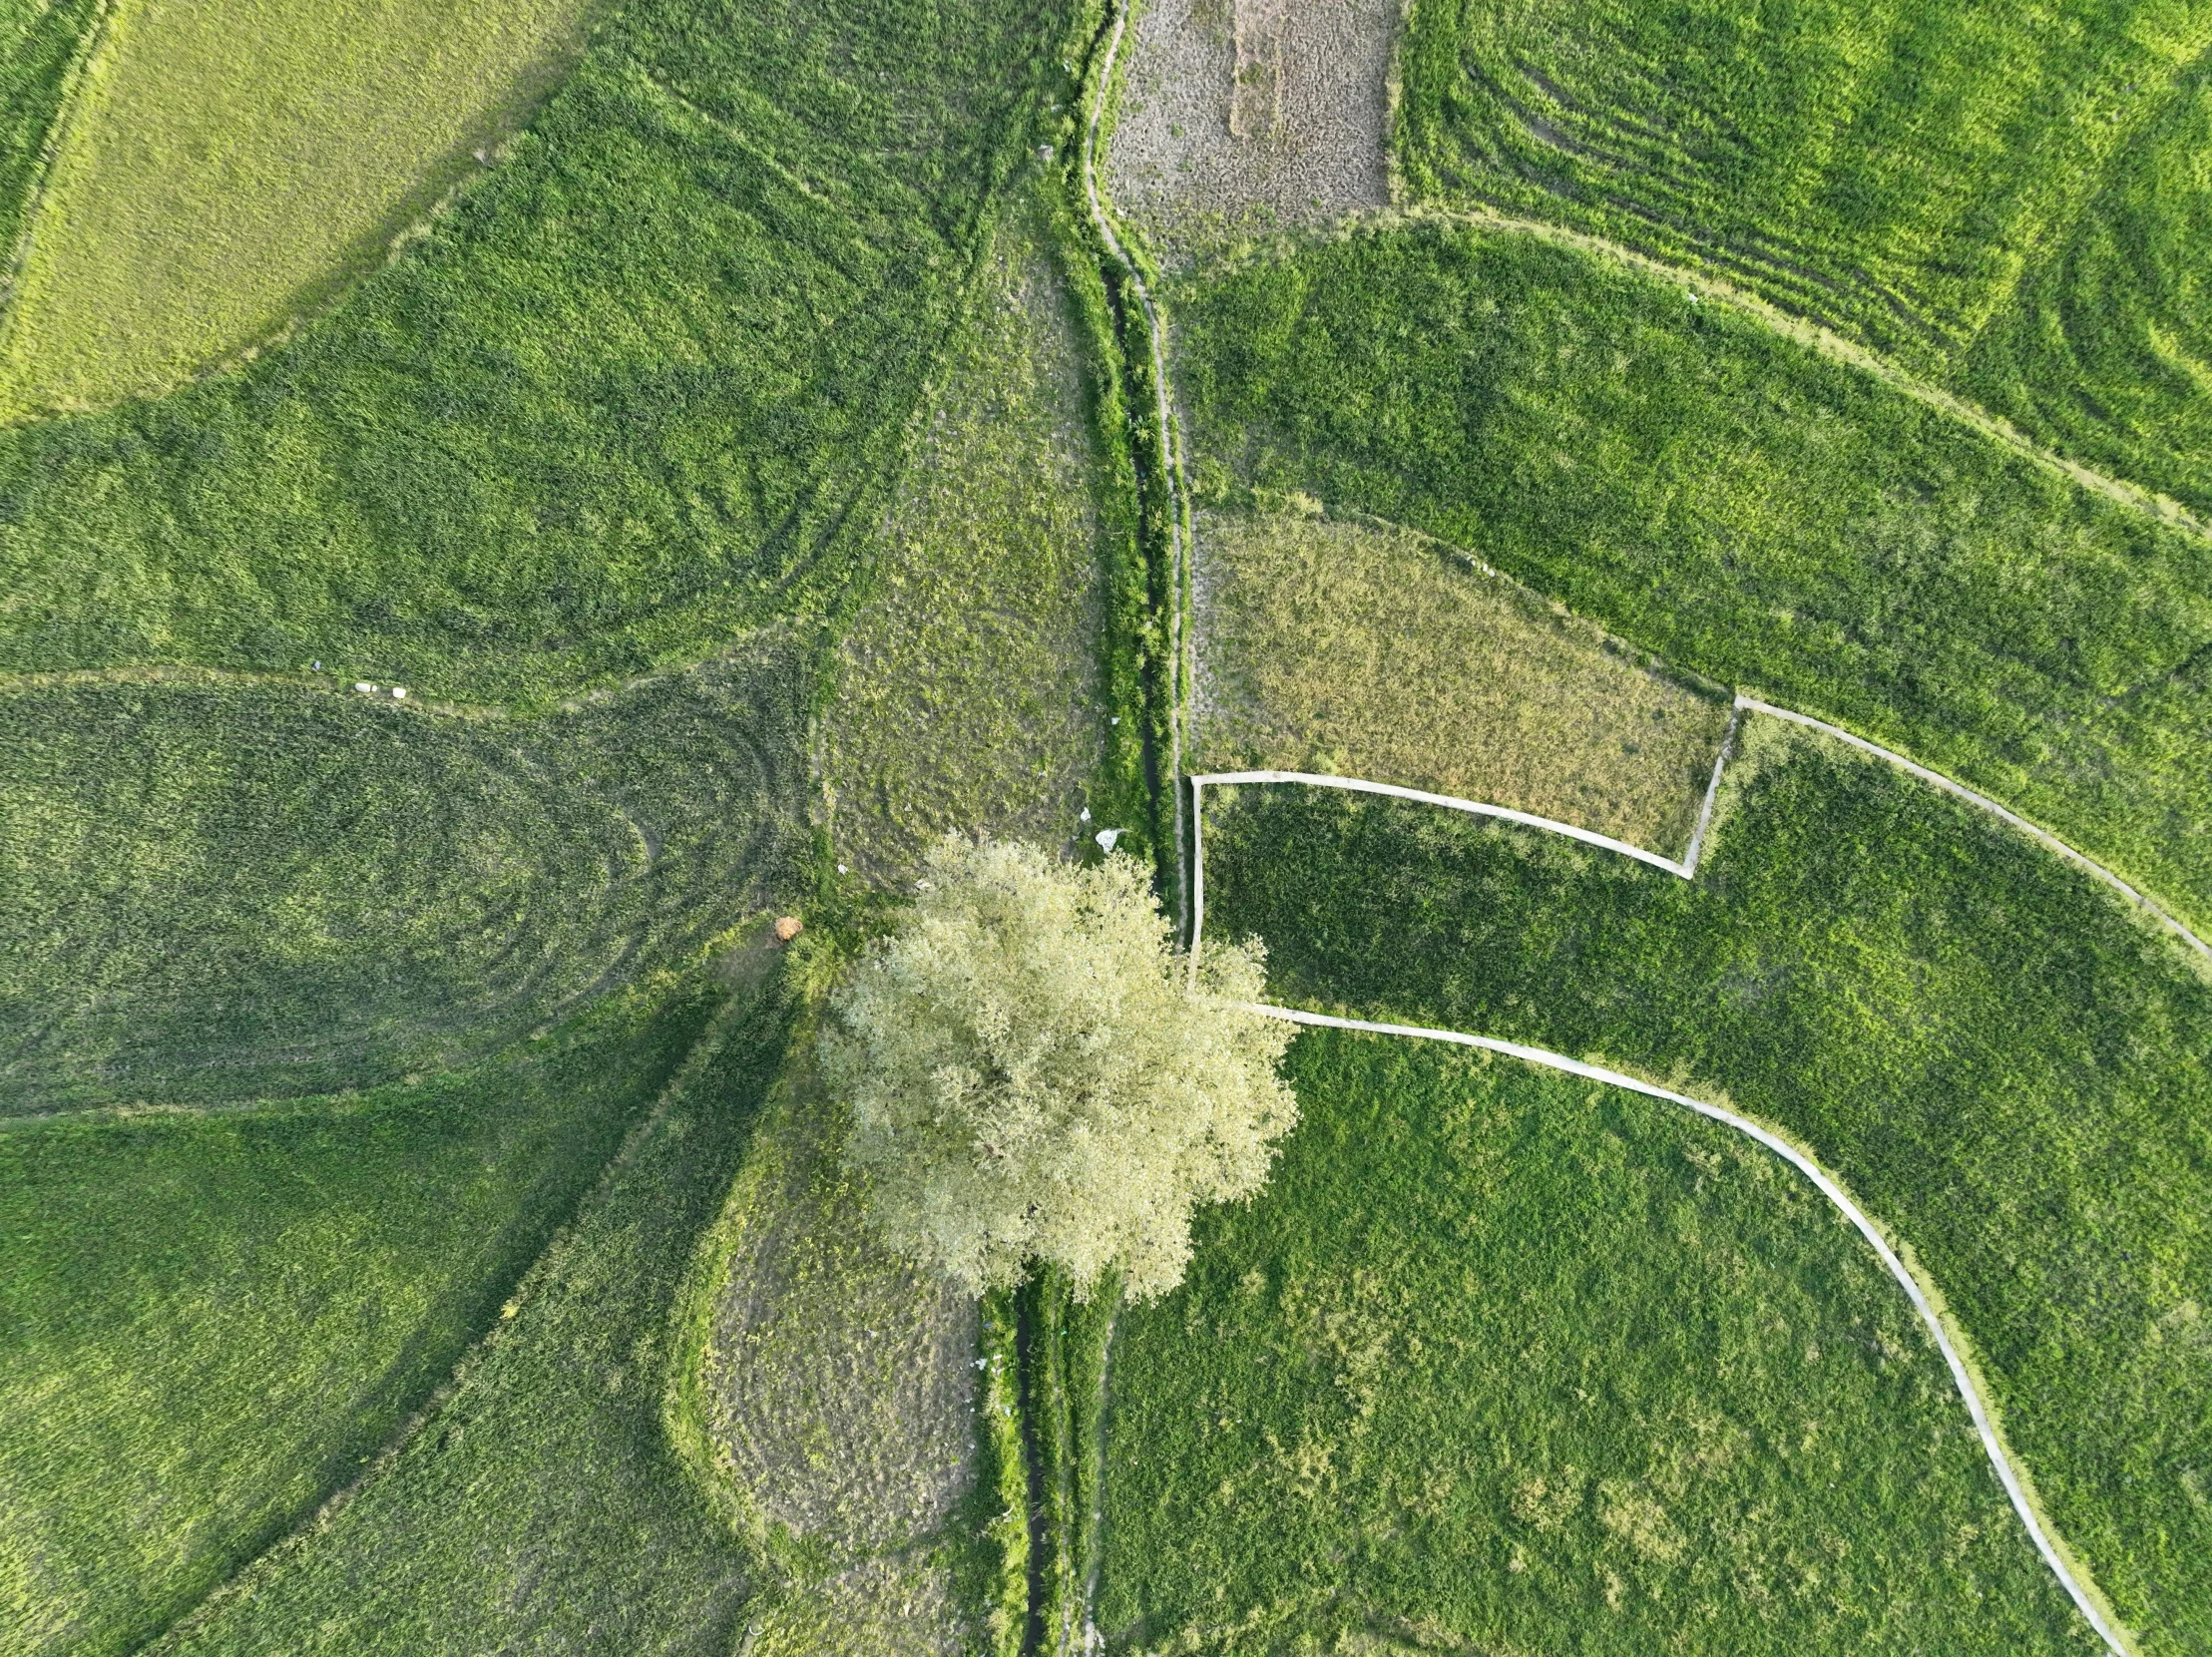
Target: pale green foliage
1034,1076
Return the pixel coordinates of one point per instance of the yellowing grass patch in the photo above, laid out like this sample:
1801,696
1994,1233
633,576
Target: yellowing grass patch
228,162
1362,650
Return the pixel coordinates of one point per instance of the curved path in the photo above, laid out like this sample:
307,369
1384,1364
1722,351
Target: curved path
1961,1374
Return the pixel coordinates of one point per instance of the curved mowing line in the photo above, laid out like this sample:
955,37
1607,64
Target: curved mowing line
1960,1373
1170,436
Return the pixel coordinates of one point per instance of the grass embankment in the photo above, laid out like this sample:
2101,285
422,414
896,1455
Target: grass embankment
222,891
225,164
212,1320
1987,1049
1750,510
1362,650
41,45
969,692
1502,1359
543,1507
1911,173
641,388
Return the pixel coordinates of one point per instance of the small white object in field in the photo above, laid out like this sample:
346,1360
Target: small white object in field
1117,719
1107,838
314,667
1084,816
399,693
841,869
364,687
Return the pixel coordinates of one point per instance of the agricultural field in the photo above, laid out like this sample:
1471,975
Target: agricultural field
1991,1053
1506,1361
189,212
41,49
2004,201
1750,510
1363,650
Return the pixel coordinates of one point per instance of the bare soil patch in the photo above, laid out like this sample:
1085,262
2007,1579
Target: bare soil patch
1240,117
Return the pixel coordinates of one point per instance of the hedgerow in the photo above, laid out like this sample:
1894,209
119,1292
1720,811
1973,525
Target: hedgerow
1998,1061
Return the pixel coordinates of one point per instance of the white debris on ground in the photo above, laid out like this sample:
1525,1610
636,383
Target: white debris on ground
1246,116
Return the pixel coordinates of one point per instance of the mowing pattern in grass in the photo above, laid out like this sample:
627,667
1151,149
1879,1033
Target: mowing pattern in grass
542,1508
226,162
1362,650
1750,510
967,695
1911,173
209,1322
40,42
1506,1360
211,892
1988,1050
641,389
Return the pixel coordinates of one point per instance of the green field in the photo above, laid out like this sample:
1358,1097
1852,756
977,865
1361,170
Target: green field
1981,1041
2008,201
644,386
210,1319
1362,650
1750,510
1510,1361
215,891
225,165
40,45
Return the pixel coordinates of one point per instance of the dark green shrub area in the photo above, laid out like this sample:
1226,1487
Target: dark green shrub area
40,40
1505,1361
216,891
639,388
209,1321
1977,1036
1912,173
1745,507
543,1508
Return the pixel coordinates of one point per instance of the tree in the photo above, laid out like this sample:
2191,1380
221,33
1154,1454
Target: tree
1034,1076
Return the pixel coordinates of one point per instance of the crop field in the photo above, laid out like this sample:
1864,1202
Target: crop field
1984,1047
1363,650
1503,1360
541,1507
1913,173
1752,511
225,165
41,43
641,389
214,1318
216,891
967,692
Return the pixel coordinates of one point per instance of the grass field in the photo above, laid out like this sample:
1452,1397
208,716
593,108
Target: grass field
1505,1361
214,1319
1913,173
215,891
967,691
1984,1045
1363,650
225,165
1751,511
644,387
543,1508
40,45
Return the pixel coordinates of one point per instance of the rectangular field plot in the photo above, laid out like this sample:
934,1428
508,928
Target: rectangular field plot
1359,648
1506,1361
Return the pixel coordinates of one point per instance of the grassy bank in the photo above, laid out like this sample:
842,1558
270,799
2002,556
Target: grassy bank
41,45
1994,1058
1503,1360
1751,511
213,1320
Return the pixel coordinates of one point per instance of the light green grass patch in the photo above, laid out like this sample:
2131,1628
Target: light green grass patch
1359,648
209,1320
969,691
226,162
1506,1361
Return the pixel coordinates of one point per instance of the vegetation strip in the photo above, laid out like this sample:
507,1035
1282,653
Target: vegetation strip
1998,1459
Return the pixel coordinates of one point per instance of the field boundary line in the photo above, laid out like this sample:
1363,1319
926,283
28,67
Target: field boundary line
1170,438
1958,790
1829,343
2000,1458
